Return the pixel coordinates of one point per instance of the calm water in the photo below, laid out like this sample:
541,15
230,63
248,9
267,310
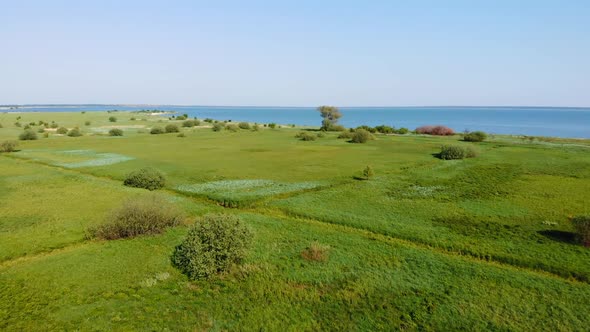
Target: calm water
538,121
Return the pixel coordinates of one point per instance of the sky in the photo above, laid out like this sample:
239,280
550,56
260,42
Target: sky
296,53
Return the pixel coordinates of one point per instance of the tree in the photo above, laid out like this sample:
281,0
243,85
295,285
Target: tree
368,172
330,115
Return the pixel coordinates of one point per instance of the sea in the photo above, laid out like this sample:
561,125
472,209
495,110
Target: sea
530,121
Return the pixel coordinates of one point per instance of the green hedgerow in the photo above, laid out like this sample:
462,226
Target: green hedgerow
116,132
8,146
212,245
157,131
475,136
450,152
582,226
146,178
28,135
141,215
172,128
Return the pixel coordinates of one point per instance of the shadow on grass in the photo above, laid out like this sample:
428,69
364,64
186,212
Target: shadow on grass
560,236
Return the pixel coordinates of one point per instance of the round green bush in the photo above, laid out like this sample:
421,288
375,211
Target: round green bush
217,127
62,130
112,119
116,132
75,132
232,127
475,136
146,178
582,226
403,131
28,135
149,214
305,136
345,135
361,136
212,245
157,131
172,128
450,152
191,123
244,125
8,146
87,123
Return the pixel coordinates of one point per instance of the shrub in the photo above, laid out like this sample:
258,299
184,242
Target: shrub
582,226
112,119
132,118
75,132
18,124
28,135
361,136
1,126
146,178
87,123
62,130
337,128
208,120
403,131
181,135
345,134
435,130
46,134
321,134
449,152
272,125
316,252
305,136
157,131
475,136
368,172
383,129
8,146
217,127
172,128
244,125
54,125
26,127
149,214
116,132
41,130
232,127
256,127
367,128
191,123
212,245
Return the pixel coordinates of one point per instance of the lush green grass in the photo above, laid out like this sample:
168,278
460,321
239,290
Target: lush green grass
427,244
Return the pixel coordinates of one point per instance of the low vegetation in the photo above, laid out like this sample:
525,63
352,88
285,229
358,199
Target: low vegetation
74,132
212,245
435,130
450,152
116,132
316,252
62,130
28,135
305,136
149,214
361,136
582,225
172,128
157,130
8,146
475,136
146,178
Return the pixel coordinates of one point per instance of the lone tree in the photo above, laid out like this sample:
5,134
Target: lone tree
331,114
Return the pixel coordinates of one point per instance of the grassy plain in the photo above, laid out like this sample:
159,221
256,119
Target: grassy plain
427,244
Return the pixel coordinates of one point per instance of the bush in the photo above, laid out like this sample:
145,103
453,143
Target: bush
116,132
41,130
18,124
191,123
232,127
62,130
403,131
244,125
367,128
75,133
272,125
256,127
141,215
346,135
449,152
132,118
475,136
1,126
435,130
316,252
112,119
87,123
54,125
157,131
217,127
305,136
383,129
582,226
212,245
8,146
181,135
146,178
361,136
172,128
368,172
27,127
336,128
46,134
28,135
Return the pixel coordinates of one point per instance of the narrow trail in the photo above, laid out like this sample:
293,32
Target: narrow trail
279,214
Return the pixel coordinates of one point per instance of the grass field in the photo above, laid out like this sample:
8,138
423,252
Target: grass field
476,244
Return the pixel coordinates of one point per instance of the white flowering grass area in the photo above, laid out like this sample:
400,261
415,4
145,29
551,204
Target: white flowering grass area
235,193
74,158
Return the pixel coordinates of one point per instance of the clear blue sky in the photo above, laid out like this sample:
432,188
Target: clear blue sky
296,53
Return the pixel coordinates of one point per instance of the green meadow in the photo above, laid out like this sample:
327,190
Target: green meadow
479,244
